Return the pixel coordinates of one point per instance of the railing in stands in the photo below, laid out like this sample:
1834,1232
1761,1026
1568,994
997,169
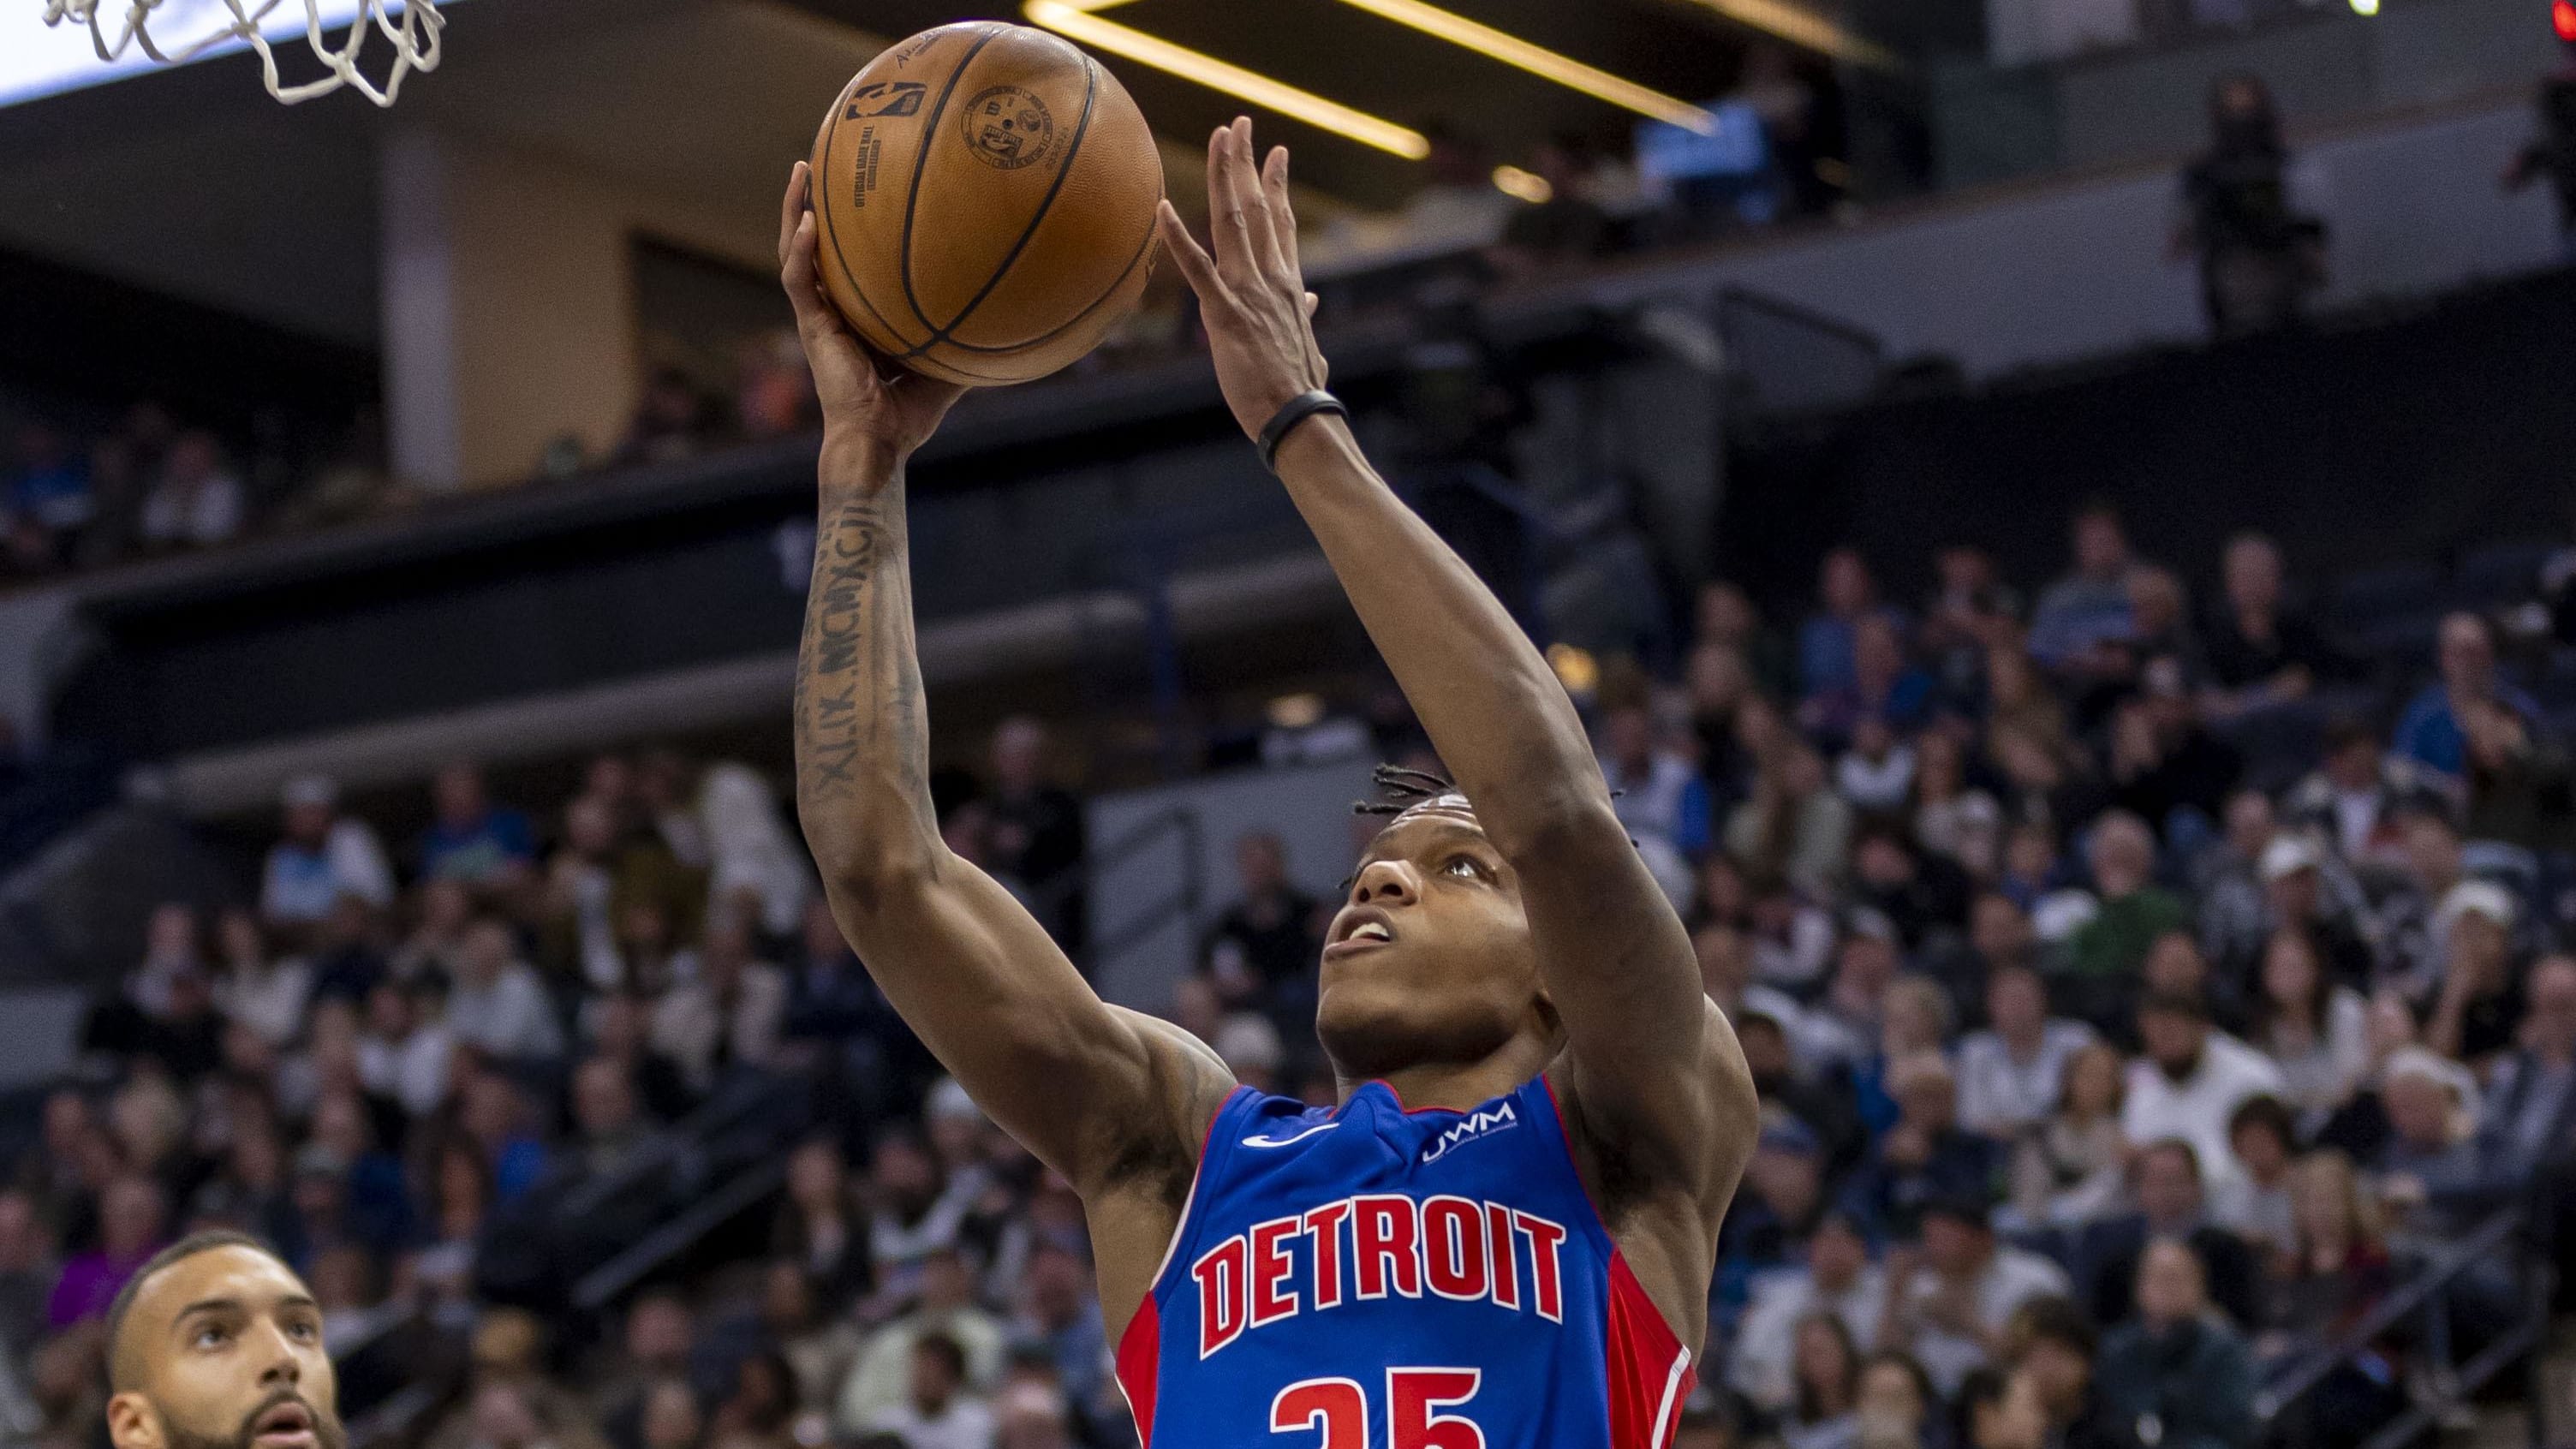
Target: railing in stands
602,1285
2427,1293
1189,889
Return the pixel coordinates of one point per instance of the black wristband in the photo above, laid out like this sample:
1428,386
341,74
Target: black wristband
1297,410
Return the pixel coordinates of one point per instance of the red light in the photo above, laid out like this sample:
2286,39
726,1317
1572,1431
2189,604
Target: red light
2562,16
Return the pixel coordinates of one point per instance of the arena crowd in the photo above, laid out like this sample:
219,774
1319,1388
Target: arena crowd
2118,1046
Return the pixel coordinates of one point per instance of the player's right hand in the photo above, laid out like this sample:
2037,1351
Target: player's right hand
874,414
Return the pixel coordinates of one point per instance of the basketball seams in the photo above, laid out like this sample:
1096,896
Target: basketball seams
921,163
1144,248
828,240
1064,169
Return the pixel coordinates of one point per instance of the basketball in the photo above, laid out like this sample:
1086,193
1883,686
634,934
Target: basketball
984,201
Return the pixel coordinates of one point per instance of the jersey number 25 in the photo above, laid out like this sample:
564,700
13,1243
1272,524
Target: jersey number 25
1339,1409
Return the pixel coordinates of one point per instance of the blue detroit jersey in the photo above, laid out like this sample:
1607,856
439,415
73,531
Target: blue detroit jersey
1367,1277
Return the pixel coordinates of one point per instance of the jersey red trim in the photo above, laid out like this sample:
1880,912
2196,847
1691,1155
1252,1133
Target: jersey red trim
1649,1372
1140,1354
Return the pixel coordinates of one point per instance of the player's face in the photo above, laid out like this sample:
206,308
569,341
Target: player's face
1429,959
226,1348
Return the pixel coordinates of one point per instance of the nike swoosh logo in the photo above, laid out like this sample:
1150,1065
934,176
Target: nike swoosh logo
1290,1141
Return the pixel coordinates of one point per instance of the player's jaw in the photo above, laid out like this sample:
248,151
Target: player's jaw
1414,975
282,1420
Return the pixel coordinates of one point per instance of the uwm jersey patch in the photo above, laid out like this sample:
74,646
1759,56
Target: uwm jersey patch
1374,1278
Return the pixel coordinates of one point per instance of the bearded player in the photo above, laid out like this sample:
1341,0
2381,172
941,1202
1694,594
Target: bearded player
1503,1235
216,1344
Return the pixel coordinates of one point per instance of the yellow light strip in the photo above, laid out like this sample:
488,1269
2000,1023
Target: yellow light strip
1802,27
1234,80
1538,60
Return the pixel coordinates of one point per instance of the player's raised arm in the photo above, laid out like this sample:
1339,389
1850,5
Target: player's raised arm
1654,1066
1093,1090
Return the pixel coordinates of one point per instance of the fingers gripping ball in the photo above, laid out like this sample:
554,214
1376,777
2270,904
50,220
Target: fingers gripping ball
984,199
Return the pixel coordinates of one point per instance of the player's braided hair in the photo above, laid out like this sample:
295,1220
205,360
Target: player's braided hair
1407,788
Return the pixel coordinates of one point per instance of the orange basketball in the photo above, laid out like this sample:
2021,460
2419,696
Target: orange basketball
984,202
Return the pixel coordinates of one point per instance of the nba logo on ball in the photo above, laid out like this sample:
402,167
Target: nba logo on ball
1008,128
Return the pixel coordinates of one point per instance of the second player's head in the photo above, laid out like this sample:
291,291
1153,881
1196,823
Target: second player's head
1429,959
216,1344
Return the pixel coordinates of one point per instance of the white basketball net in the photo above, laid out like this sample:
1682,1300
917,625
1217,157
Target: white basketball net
413,36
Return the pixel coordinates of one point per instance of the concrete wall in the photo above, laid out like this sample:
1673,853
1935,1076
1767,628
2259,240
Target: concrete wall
509,302
1310,808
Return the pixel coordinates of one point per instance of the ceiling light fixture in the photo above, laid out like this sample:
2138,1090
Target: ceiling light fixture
1803,27
1074,20
1539,61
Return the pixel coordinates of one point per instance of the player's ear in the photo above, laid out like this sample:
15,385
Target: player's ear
131,1422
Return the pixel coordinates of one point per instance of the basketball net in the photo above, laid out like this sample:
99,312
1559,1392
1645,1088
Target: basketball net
413,36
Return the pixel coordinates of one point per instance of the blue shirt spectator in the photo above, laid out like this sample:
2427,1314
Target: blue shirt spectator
2430,732
474,840
1827,646
2090,606
52,483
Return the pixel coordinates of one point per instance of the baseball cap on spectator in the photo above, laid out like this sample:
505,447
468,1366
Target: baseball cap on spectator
2478,898
2286,856
315,792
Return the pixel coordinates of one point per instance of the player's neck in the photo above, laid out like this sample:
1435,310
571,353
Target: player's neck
1453,1086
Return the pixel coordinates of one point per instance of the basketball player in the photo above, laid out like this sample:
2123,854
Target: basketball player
215,1344
1502,1237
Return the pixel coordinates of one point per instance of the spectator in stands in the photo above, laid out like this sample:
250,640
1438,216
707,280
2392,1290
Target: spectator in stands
1950,1301
2433,730
2190,1082
498,1005
818,1345
2333,1274
1837,1281
2530,1108
1262,951
2086,613
2259,253
321,855
1562,228
1924,1157
2074,1167
2260,651
2298,900
483,846
1971,611
2134,911
819,1227
1952,817
1821,1409
1037,835
255,988
47,501
1794,826
27,1274
754,863
2176,1373
197,501
133,1216
442,1265
404,1053
774,389
1659,793
2051,1343
1791,938
2352,800
2163,759
1781,1202
2263,1138
621,1030
652,1351
2551,154
1924,898
1882,688
1896,1402
1829,642
2311,1025
2012,1074
2431,1172
2480,1002
881,1381
1727,616
2172,1205
1059,1319
1876,774
729,1015
2521,790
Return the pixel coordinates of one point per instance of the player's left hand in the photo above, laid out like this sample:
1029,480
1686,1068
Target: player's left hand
877,412
1253,299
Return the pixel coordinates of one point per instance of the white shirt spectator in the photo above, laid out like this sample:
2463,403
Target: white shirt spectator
1798,956
508,1017
268,999
302,884
749,847
2323,1075
2012,1278
965,1423
703,1032
412,1071
879,1383
2197,1108
1766,1341
2000,1093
